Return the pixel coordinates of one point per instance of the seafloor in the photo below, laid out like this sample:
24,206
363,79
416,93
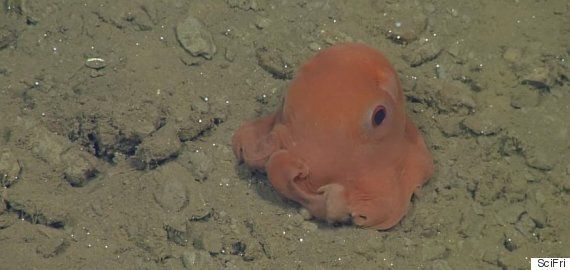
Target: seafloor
116,119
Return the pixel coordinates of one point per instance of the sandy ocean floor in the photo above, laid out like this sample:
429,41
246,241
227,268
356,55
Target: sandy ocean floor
115,132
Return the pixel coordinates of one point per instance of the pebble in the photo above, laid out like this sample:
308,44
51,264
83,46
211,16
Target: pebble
481,124
538,215
262,22
52,247
538,77
455,96
80,167
313,46
171,195
522,99
406,29
275,62
200,164
158,147
195,38
538,159
425,52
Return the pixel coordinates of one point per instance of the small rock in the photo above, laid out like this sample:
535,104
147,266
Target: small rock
197,259
171,195
48,146
450,126
313,46
177,236
525,98
513,239
80,167
52,247
195,38
539,159
539,77
525,225
275,62
425,52
482,124
158,147
200,164
454,96
229,55
406,29
262,22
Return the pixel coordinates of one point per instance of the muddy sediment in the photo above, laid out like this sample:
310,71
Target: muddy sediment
117,117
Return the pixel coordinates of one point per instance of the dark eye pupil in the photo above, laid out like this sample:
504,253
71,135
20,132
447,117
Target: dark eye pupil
379,115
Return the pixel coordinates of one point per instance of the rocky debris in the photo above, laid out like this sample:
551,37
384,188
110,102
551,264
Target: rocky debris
81,167
52,247
525,98
401,27
262,22
510,145
422,53
109,138
537,159
483,123
139,19
450,126
77,166
197,126
171,195
198,163
444,95
195,38
179,237
275,62
157,148
406,29
540,77
541,71
455,96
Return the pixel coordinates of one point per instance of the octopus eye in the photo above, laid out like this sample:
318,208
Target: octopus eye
378,115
